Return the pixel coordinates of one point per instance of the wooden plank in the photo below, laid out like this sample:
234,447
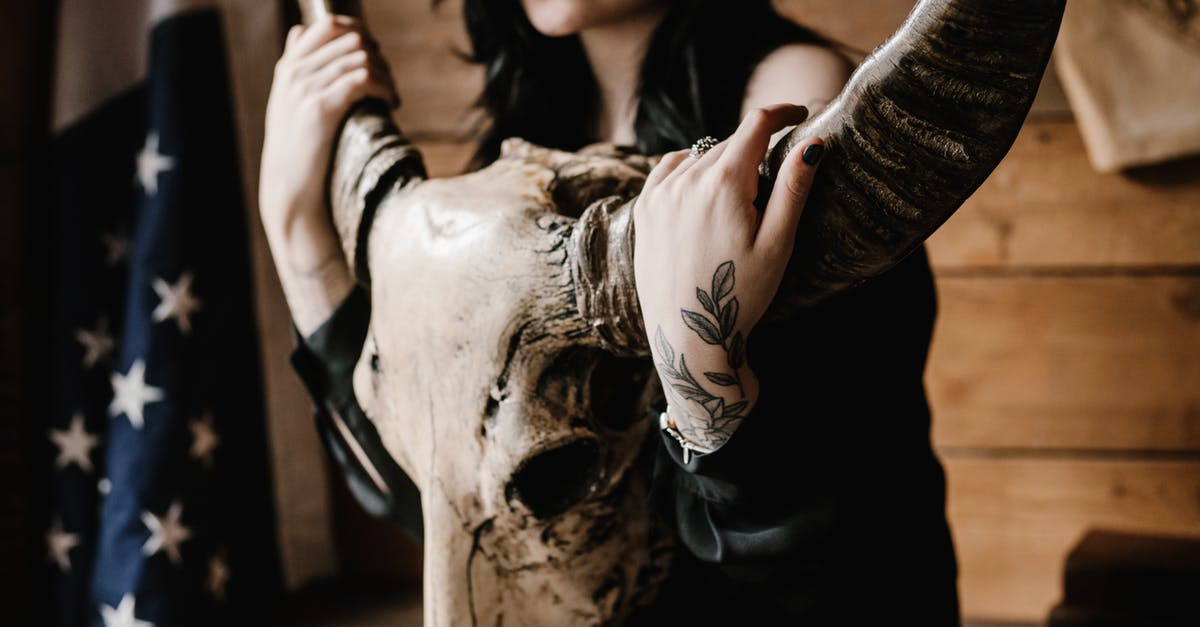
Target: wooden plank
1067,362
1014,520
1045,206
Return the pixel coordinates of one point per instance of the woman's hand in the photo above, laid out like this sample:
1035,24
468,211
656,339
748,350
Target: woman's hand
707,264
325,68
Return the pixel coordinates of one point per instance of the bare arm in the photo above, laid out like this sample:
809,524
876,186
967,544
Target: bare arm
802,74
325,68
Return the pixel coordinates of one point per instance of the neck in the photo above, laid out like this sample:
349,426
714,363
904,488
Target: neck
615,51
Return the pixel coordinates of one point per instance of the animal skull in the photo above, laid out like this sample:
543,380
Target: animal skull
501,404
506,368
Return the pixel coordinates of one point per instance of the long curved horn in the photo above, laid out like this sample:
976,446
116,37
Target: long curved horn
921,123
371,157
918,128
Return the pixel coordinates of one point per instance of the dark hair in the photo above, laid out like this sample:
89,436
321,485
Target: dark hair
696,68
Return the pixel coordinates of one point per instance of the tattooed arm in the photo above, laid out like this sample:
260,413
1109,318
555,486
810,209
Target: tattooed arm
707,264
707,419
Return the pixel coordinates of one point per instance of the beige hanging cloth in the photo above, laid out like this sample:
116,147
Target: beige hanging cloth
1131,70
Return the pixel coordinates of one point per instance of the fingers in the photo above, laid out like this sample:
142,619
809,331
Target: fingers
317,56
668,164
322,56
749,142
319,33
778,227
346,63
292,35
351,87
703,161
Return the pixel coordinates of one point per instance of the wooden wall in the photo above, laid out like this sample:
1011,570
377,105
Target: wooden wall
1065,371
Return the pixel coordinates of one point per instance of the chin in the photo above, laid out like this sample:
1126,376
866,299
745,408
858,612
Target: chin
558,18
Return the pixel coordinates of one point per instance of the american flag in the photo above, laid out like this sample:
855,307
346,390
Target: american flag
159,496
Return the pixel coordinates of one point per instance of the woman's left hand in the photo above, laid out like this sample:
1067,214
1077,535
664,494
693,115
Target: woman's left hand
707,264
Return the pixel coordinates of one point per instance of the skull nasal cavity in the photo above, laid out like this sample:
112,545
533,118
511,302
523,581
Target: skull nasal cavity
552,481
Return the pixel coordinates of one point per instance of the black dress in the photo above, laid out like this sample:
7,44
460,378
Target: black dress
827,506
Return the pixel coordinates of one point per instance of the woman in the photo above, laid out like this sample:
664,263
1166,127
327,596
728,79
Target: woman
813,494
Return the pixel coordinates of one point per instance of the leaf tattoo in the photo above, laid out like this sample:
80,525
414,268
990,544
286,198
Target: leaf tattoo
729,316
705,301
664,349
737,351
720,378
722,281
719,329
705,329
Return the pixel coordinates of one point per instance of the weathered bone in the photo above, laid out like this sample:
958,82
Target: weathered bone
505,362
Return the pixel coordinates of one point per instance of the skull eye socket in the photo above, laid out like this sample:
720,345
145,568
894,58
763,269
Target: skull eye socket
552,481
615,386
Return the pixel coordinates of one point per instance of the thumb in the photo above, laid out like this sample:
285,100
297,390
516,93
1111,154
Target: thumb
778,227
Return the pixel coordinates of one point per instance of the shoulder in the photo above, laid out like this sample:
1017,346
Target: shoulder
807,74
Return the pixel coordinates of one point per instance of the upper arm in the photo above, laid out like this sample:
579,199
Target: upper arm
804,74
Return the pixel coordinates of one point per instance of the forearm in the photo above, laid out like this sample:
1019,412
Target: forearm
325,68
706,410
312,271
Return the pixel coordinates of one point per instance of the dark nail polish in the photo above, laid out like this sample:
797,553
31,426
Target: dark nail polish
813,153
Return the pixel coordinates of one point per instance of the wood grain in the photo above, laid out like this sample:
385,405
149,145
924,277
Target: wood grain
1014,520
1067,362
1045,206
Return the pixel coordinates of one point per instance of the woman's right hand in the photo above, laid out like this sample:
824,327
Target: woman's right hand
325,69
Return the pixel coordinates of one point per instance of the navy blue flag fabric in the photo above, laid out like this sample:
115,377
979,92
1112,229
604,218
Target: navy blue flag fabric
160,505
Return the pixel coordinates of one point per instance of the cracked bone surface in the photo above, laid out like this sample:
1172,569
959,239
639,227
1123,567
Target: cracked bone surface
511,370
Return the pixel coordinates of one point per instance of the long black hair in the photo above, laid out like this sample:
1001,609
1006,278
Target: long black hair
692,81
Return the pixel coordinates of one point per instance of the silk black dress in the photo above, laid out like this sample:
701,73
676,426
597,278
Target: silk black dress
826,507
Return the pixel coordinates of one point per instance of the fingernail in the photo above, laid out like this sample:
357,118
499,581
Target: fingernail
813,153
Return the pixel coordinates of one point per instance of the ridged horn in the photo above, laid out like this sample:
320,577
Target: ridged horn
919,126
371,157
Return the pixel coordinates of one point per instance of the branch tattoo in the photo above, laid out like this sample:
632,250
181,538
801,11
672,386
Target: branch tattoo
712,429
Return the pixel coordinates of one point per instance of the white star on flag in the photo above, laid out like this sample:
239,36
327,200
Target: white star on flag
150,163
117,246
204,438
166,533
59,544
218,575
97,345
122,615
131,394
74,445
177,301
